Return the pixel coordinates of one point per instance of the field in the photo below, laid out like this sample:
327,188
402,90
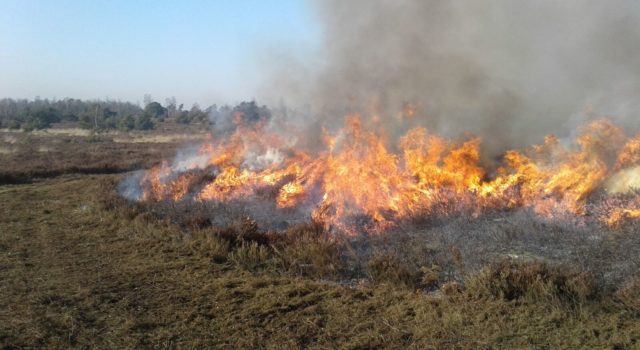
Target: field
81,267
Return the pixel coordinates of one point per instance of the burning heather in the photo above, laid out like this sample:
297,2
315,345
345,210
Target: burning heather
393,84
360,181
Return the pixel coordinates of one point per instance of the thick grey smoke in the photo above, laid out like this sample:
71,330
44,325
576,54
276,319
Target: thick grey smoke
509,71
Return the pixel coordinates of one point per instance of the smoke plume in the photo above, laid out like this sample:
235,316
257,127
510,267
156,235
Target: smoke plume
508,71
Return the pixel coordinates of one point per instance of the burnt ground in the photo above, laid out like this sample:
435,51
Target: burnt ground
610,255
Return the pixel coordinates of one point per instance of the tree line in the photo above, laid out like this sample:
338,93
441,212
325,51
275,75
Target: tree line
96,114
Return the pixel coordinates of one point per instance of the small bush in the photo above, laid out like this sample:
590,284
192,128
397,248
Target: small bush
511,280
249,255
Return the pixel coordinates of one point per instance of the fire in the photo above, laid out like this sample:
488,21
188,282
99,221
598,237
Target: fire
624,180
618,215
361,180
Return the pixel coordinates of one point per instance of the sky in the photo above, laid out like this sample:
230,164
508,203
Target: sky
196,51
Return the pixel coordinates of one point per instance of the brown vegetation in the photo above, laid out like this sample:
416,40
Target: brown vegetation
78,275
40,155
82,267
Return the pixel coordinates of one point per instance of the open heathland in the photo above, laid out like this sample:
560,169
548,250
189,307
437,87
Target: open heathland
82,269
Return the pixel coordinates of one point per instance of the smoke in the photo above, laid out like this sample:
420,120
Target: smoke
130,188
508,71
625,181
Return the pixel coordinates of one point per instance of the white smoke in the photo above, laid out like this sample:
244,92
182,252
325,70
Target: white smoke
509,71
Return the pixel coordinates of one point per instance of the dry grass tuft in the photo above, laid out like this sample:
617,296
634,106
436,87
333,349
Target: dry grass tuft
534,281
390,268
308,250
250,256
210,244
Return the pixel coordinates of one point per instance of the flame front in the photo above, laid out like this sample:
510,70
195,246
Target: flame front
360,174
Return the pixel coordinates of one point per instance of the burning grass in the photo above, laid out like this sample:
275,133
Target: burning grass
424,213
83,266
358,184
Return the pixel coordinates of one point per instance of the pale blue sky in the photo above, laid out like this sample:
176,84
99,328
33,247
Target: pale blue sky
197,51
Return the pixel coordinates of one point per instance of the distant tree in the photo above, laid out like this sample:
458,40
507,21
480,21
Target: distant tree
41,113
85,121
126,123
226,118
41,119
143,122
108,119
108,113
172,109
155,110
69,117
184,118
198,115
250,112
13,124
147,99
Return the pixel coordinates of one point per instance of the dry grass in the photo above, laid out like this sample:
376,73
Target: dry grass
390,268
534,281
307,250
62,132
25,156
82,268
78,275
629,295
157,138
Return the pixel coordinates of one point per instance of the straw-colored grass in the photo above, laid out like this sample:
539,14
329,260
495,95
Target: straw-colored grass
78,274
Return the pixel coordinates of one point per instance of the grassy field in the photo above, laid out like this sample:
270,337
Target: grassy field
78,269
54,152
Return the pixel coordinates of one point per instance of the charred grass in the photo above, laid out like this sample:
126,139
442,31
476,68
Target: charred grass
81,269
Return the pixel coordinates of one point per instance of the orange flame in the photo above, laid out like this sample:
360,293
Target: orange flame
358,174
